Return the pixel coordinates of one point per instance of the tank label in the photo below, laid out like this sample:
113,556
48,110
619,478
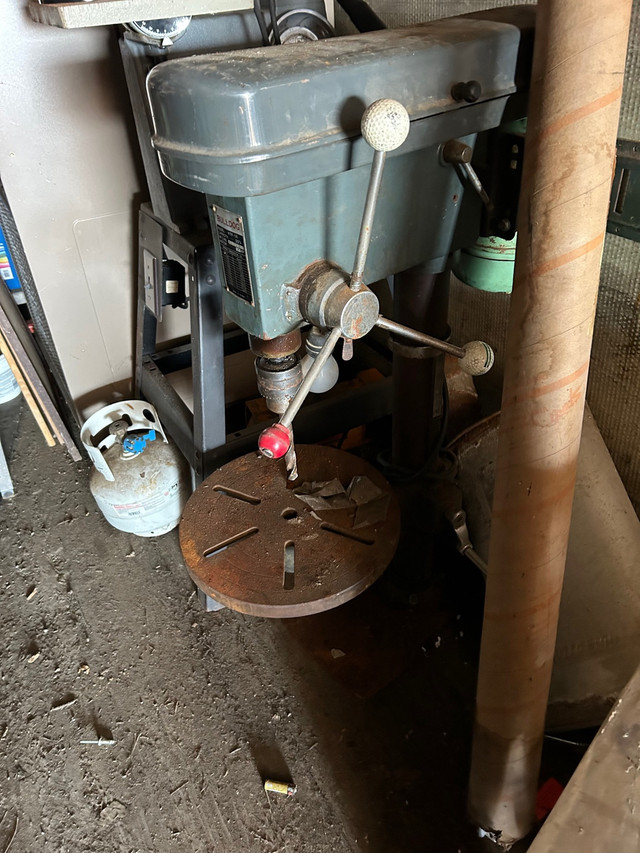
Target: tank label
143,507
233,249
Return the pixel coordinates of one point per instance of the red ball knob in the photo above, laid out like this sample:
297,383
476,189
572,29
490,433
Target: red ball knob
274,441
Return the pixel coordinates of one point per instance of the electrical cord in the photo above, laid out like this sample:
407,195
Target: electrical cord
401,475
362,15
257,8
274,22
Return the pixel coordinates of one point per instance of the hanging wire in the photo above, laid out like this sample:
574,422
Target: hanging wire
257,8
401,475
274,21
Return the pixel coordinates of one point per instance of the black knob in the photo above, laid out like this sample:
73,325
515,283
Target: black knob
469,91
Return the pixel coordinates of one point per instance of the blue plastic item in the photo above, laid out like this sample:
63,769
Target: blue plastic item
136,444
7,269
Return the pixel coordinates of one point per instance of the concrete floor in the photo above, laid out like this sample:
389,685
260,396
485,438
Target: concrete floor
103,637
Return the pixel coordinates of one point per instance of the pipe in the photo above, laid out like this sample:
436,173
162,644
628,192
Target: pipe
578,67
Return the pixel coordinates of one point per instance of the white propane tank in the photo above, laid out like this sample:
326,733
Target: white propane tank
140,480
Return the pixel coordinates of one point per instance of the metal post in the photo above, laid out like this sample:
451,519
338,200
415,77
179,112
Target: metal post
149,240
421,301
207,348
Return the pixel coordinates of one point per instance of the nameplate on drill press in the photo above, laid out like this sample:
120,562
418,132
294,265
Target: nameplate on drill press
230,230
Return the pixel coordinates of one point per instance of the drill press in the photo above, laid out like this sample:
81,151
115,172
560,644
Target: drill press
290,146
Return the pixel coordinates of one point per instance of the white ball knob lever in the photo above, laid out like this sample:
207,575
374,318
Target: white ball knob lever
385,124
478,358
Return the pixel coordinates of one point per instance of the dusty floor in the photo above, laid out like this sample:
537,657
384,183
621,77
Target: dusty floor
103,637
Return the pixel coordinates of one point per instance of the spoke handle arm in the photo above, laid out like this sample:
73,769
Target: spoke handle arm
275,441
476,357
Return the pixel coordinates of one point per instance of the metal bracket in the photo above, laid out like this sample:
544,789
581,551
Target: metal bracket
459,523
501,174
150,237
409,351
624,207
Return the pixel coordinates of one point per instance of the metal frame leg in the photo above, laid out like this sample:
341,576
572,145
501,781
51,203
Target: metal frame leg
207,354
149,240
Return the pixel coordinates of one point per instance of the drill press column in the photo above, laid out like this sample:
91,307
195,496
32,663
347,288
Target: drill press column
420,300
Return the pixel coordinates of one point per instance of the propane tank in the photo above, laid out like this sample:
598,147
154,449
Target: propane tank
140,480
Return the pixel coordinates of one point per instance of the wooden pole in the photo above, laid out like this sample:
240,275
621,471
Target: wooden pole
578,68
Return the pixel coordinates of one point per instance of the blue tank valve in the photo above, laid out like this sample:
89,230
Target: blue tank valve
136,444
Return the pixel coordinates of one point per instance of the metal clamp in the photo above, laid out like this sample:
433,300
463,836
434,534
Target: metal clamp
420,353
465,547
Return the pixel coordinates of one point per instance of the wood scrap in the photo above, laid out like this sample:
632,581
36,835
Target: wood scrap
13,835
30,377
36,385
21,329
26,391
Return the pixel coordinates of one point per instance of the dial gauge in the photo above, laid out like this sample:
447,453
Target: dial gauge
162,30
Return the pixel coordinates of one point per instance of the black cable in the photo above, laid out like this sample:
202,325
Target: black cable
362,16
274,21
402,475
257,8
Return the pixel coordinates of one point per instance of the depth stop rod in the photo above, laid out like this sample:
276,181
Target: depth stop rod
578,67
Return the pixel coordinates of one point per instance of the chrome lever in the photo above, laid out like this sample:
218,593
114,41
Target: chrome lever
476,357
385,126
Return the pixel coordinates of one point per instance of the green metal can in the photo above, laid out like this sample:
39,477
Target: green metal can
487,265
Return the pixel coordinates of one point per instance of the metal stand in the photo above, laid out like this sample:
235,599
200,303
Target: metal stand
199,433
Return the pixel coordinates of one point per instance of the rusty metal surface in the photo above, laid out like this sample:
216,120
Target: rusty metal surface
251,544
598,629
279,347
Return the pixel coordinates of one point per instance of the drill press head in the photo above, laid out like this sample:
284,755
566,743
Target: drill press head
273,137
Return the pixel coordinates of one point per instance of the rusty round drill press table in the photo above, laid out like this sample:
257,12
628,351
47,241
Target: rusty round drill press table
252,544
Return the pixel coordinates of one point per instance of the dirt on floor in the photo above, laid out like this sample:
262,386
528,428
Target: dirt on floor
132,720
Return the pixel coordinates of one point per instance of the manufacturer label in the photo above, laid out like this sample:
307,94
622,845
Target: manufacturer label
6,270
233,249
147,505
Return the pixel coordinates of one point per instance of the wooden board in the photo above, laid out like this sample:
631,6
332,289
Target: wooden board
599,809
26,391
18,346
